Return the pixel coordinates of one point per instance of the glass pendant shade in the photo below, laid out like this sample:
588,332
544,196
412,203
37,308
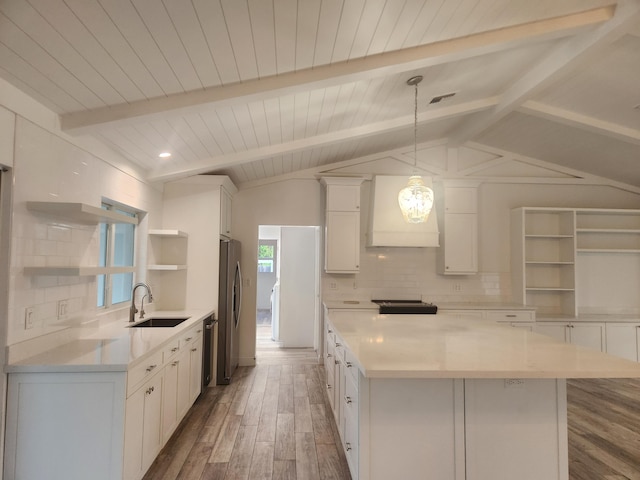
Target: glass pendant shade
415,200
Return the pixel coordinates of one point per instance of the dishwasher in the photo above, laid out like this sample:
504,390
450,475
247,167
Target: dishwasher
209,344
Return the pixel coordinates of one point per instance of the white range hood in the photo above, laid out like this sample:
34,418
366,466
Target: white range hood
387,228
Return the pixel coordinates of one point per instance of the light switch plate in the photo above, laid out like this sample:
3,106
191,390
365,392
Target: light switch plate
28,318
63,309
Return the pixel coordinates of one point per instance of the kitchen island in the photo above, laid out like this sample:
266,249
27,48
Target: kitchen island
453,398
102,404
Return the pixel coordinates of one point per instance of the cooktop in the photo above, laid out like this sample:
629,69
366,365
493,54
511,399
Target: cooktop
405,307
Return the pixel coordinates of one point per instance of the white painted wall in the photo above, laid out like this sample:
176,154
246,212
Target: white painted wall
295,202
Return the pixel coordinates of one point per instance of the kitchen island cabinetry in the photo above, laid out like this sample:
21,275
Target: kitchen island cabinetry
342,224
458,397
116,394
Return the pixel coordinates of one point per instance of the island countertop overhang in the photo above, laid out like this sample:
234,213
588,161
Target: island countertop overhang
443,346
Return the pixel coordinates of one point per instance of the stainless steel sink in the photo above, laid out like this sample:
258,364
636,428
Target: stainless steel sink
161,322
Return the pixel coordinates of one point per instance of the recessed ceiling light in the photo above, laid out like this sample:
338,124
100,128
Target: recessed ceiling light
164,155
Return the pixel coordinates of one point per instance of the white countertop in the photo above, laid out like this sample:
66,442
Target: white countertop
113,347
442,346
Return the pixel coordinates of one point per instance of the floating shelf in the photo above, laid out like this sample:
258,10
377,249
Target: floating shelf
76,271
168,233
608,250
167,267
80,213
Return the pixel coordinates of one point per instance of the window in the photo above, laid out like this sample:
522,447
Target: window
266,255
117,246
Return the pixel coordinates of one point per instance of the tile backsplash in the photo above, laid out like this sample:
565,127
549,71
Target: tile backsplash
410,273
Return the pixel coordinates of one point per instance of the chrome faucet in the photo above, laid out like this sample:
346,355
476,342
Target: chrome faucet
133,310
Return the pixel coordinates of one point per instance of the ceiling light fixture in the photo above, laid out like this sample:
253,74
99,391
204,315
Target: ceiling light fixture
164,155
416,199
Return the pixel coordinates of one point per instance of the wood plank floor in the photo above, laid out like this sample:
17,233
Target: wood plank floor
604,429
272,422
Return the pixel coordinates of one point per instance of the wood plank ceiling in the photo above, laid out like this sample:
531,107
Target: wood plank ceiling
260,88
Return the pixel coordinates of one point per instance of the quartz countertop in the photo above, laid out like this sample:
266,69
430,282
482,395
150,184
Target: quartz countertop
113,347
443,346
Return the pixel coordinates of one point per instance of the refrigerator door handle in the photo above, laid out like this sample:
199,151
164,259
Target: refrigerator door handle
237,294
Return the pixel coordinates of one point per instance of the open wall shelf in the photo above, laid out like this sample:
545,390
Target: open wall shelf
80,213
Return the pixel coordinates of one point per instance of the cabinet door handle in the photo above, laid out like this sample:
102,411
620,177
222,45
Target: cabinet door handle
174,349
198,331
329,355
175,364
510,316
338,344
347,400
151,367
348,364
188,339
328,386
150,390
194,349
330,331
337,362
347,447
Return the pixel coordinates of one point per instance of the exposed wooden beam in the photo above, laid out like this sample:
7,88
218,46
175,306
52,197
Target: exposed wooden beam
583,122
343,72
235,159
564,59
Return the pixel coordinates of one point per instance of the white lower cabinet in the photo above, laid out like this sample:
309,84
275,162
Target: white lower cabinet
114,423
623,340
585,334
143,427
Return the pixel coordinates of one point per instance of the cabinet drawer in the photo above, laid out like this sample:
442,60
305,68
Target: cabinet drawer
170,350
144,370
350,396
350,438
510,315
350,365
190,335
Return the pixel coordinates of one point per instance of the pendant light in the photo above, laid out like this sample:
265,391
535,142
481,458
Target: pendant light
416,199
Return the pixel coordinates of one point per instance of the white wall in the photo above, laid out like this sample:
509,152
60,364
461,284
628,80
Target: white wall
294,202
49,166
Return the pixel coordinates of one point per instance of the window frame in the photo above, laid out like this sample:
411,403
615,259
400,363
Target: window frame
106,292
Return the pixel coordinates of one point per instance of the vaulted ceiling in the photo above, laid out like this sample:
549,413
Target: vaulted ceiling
260,88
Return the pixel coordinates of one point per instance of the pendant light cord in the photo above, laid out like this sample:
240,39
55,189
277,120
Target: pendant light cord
415,131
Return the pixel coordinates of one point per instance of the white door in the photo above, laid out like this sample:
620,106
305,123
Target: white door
298,286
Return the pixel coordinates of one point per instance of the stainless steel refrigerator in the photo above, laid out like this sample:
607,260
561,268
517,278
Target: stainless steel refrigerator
229,303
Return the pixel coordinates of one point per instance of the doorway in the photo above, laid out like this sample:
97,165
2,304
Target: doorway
287,287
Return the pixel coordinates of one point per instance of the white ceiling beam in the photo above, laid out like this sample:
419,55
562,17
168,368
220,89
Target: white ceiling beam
564,59
383,64
582,122
235,159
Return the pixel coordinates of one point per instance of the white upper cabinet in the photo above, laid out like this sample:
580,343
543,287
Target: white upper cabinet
225,213
458,254
342,224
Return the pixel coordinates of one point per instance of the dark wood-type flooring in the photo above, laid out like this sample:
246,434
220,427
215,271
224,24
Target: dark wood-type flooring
604,429
274,422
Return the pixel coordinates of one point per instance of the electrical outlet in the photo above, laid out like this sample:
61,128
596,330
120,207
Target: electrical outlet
333,286
513,383
457,287
28,318
63,309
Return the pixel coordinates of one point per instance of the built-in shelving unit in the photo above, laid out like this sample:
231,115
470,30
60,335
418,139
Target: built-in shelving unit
170,251
544,266
80,213
83,214
568,262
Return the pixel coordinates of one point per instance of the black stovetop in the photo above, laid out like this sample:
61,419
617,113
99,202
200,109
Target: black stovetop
405,306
